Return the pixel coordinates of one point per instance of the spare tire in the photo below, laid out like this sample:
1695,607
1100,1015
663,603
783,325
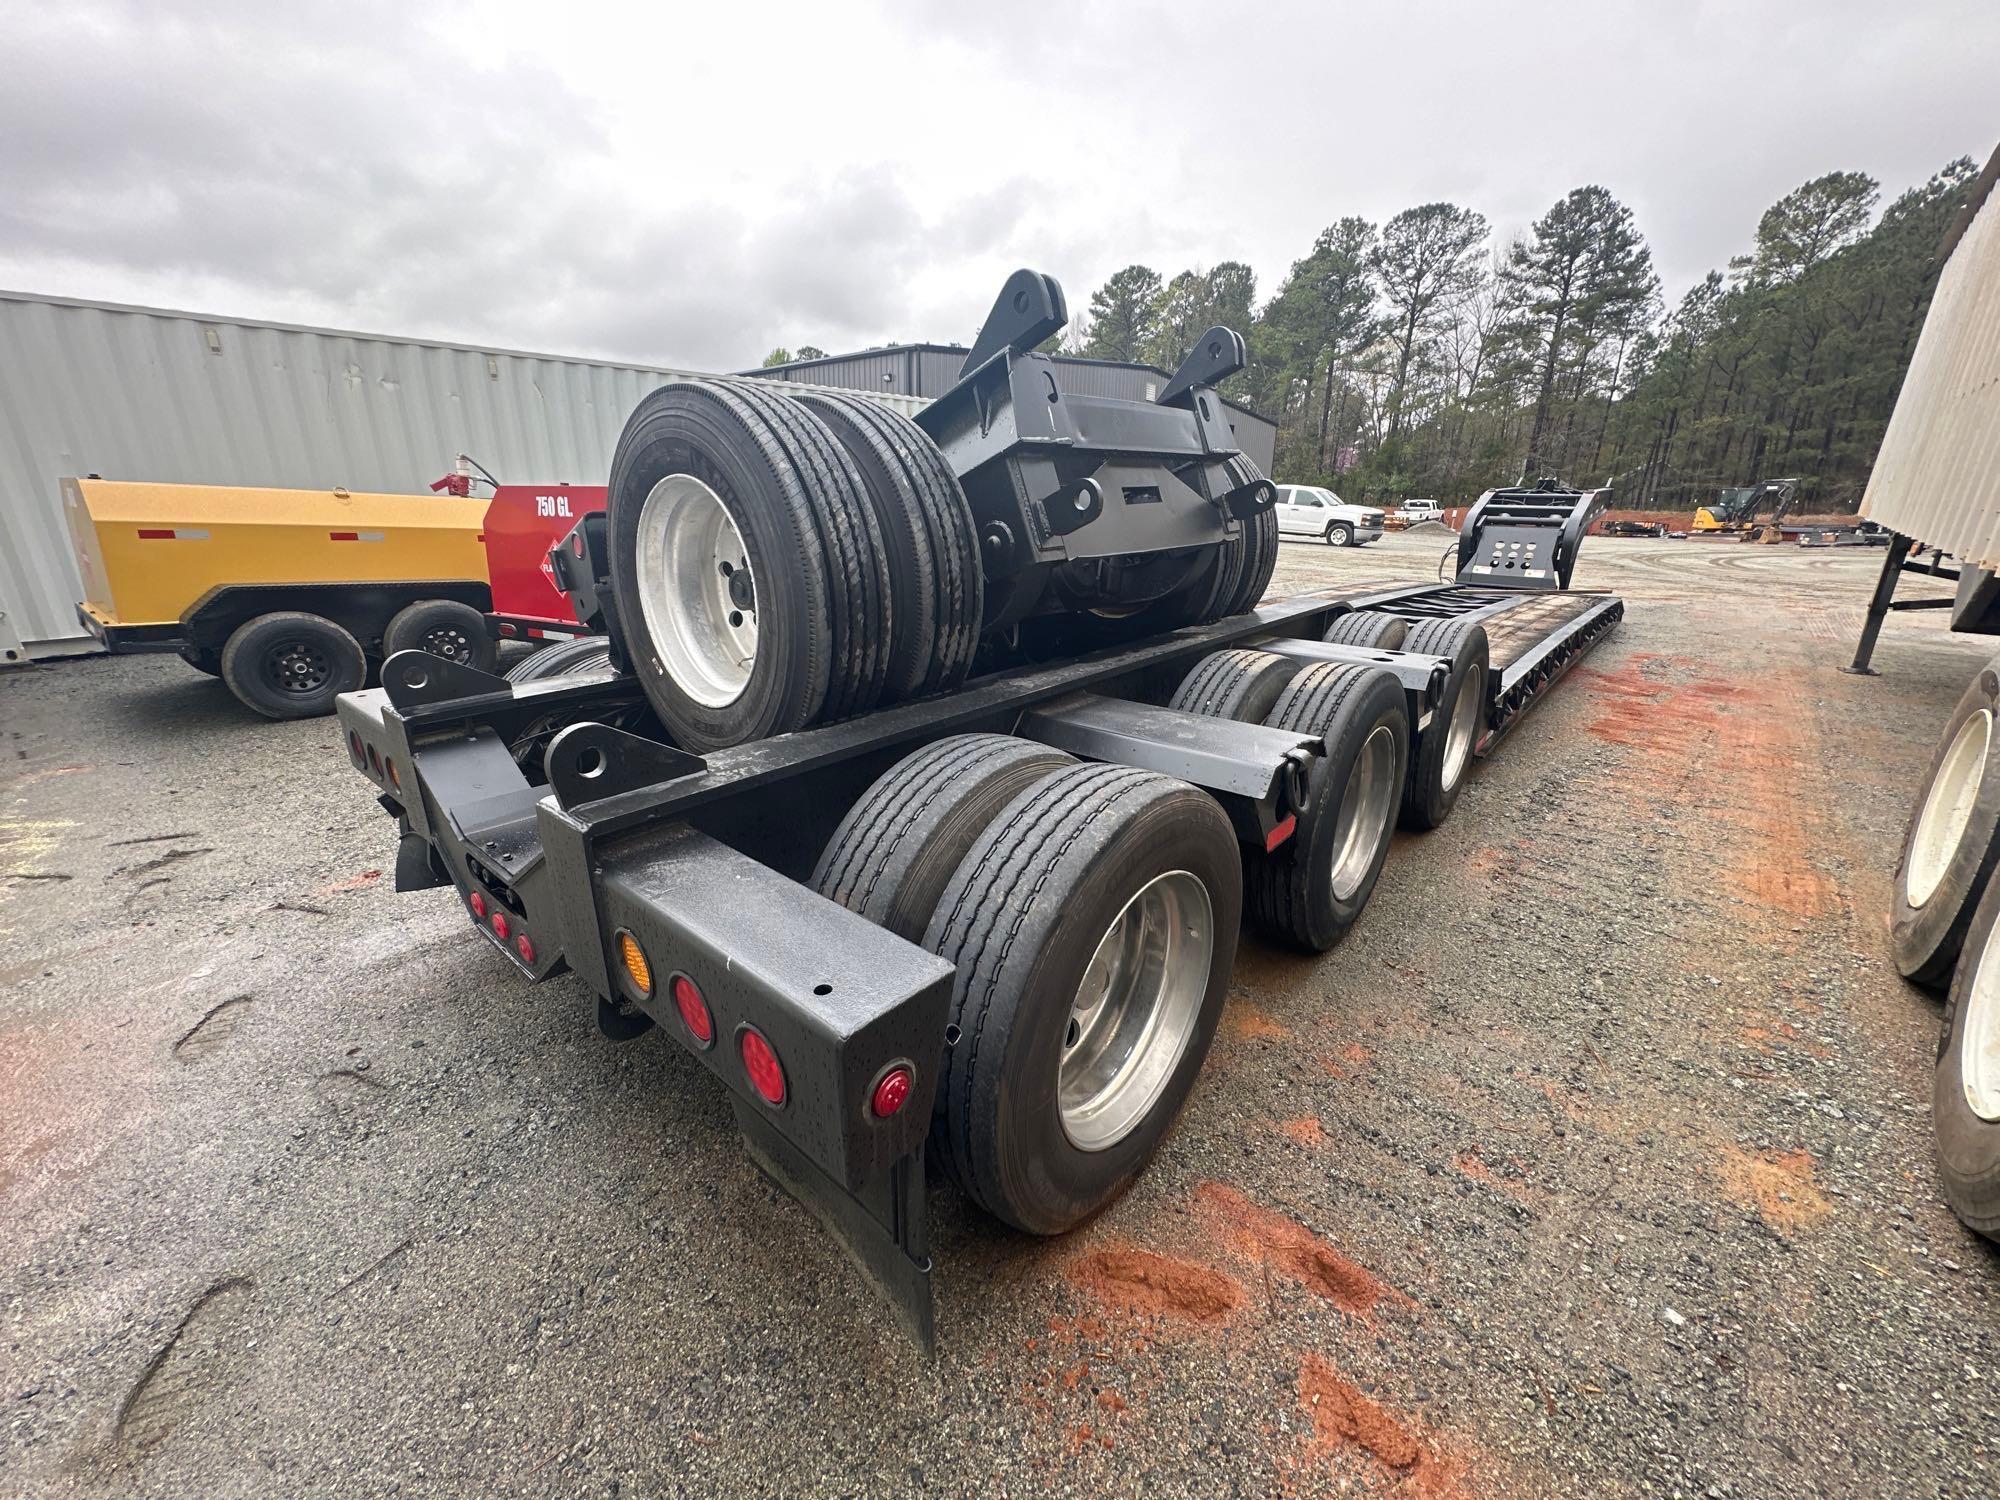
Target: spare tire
747,567
1260,560
1952,841
589,654
935,577
1368,628
1443,751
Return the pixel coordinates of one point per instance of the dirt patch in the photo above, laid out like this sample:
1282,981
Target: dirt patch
1306,1130
1243,1022
359,882
1350,1060
1292,1250
1778,1184
1346,1421
1341,1415
1139,1281
1734,747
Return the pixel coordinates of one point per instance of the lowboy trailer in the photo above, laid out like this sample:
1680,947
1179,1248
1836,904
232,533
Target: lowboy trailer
991,923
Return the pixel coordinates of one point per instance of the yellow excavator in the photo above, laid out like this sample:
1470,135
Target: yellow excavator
1735,512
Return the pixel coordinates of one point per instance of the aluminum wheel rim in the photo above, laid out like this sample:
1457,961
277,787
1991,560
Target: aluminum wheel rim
1135,1010
1979,1043
1458,735
1948,806
695,590
1364,811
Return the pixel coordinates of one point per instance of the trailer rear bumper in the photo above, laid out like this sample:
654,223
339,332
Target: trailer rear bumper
120,639
852,1015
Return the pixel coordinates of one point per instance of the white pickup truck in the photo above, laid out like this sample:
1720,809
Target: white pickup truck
1412,511
1306,510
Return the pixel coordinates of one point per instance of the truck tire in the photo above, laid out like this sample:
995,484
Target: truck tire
563,659
862,605
1368,628
1965,1090
897,848
1339,534
1443,752
1036,1121
1237,684
935,575
1260,560
290,665
1310,890
747,568
1952,841
443,627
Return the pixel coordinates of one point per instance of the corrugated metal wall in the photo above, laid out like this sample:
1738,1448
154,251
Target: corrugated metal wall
1937,478
143,393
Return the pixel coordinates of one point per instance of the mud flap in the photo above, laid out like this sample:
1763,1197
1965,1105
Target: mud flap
883,1227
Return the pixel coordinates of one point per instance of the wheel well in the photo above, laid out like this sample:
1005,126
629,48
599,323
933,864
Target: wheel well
363,609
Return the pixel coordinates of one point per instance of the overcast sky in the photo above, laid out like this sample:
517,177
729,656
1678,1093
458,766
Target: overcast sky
690,185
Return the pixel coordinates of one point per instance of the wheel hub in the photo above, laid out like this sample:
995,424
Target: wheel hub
1365,807
1948,807
1135,1010
298,667
695,590
1465,708
450,643
1979,1043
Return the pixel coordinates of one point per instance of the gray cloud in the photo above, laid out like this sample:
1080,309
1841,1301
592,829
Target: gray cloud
691,188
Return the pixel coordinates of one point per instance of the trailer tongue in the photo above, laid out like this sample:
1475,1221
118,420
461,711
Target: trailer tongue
996,918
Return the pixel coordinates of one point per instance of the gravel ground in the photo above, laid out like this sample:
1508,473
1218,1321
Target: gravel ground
1595,1162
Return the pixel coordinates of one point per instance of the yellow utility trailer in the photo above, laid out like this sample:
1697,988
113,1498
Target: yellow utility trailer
287,595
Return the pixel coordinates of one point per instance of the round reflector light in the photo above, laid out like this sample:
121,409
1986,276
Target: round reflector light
354,747
636,968
395,776
478,904
525,946
767,1074
892,1092
694,1009
501,926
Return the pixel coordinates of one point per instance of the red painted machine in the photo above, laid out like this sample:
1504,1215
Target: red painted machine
523,521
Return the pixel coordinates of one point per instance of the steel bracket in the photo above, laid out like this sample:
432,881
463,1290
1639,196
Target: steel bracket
594,762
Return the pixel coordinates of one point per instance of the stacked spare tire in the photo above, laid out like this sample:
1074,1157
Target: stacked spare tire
782,557
781,560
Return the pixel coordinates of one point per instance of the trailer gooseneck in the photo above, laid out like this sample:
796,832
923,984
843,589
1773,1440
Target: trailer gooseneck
986,909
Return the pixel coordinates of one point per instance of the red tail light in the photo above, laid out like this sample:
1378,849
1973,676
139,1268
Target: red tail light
525,946
767,1074
501,926
354,747
694,1010
478,904
892,1091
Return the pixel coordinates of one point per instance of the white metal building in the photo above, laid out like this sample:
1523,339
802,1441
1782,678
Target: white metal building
149,394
